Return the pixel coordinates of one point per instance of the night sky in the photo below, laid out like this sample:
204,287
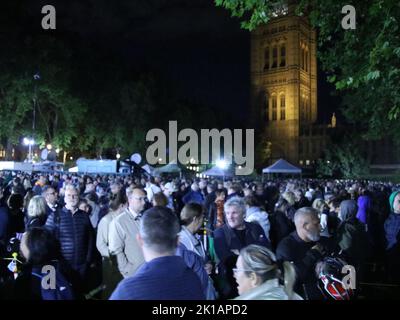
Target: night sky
192,44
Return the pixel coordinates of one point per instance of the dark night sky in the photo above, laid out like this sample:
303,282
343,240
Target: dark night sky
190,43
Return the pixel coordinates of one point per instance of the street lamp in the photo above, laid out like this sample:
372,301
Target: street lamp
222,164
29,142
118,156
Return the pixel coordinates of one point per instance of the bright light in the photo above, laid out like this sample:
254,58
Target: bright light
118,156
28,142
71,158
222,164
240,167
57,150
49,146
160,159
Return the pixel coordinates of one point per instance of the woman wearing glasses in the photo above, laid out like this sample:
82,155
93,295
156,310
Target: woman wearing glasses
258,276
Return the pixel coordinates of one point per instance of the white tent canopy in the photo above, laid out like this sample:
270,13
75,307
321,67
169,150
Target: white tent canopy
148,168
282,166
217,172
171,167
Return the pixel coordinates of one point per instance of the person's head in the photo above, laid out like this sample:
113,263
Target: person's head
49,193
251,201
334,204
289,197
298,193
348,210
203,184
210,188
169,188
235,211
192,216
259,189
256,265
160,199
394,201
39,246
195,186
118,201
71,197
115,187
319,205
282,205
247,192
136,199
307,224
84,206
158,233
220,194
37,207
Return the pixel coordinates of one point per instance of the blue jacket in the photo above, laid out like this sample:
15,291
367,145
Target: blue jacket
195,262
392,230
164,278
76,236
193,196
3,225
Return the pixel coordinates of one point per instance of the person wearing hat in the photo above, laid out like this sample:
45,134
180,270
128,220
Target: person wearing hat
392,235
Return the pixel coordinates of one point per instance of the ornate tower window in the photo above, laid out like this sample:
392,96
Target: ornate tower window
283,56
283,107
266,58
274,57
274,108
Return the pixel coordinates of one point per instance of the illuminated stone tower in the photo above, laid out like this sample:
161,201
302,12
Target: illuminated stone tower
284,83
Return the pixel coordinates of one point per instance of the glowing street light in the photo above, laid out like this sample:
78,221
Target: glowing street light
118,156
49,146
222,164
29,142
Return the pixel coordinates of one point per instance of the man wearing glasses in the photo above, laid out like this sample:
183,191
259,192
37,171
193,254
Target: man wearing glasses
123,231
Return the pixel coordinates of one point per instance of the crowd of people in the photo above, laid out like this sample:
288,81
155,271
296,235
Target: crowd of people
127,237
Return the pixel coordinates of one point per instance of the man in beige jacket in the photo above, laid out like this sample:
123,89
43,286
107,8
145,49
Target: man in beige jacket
123,231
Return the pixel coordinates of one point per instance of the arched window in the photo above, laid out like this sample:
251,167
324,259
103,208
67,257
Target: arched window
274,108
274,57
283,56
283,107
266,58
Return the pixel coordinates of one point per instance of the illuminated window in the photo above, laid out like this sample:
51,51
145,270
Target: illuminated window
283,56
266,58
274,108
283,107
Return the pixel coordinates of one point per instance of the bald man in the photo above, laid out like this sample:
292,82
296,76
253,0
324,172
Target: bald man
123,231
304,248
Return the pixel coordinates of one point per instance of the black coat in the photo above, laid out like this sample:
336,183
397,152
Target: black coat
294,249
76,236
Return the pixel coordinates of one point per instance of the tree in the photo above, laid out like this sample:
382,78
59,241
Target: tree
343,160
363,63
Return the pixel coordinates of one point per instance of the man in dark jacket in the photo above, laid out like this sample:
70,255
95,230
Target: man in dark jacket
72,227
230,239
304,248
164,276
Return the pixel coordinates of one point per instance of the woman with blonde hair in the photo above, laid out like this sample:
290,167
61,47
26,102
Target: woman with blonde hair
37,212
323,212
258,276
